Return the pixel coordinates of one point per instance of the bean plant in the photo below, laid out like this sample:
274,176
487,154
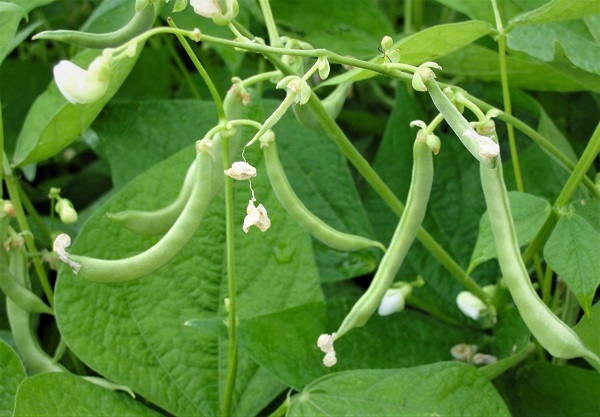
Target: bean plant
271,207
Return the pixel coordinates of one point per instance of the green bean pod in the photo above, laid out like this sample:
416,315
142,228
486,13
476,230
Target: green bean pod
17,292
149,223
141,22
137,266
404,235
311,223
554,335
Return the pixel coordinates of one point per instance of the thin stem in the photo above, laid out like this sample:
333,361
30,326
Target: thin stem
282,409
506,97
274,39
183,70
211,86
232,316
408,14
547,286
1,149
14,194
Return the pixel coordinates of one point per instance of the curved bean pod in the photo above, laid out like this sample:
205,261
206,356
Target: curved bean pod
311,223
404,235
137,266
141,22
554,335
148,223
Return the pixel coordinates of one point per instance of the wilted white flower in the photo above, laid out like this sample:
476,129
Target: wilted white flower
220,11
463,352
257,216
83,86
241,171
325,343
329,360
483,359
61,243
488,148
470,305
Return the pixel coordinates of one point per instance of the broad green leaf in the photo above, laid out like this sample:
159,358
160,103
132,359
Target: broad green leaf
529,214
10,17
348,28
12,372
558,10
572,252
151,130
134,334
427,45
545,42
29,5
542,389
63,394
523,72
284,342
440,389
588,329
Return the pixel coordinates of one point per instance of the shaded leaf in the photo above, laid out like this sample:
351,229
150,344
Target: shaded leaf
63,394
10,17
438,389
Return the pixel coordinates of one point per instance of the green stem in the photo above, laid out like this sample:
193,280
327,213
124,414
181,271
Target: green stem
211,86
183,71
408,15
1,149
506,97
547,286
232,317
13,192
274,39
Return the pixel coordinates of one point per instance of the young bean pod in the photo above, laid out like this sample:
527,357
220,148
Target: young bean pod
120,270
149,223
18,293
141,22
404,235
554,335
311,223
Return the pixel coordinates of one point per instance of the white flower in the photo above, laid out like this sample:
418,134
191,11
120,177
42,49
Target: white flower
241,171
83,86
220,11
470,305
257,216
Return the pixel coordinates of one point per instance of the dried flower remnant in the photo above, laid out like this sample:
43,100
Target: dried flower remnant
256,216
241,171
325,343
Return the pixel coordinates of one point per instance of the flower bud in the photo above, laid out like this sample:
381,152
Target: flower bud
65,211
324,68
386,43
470,305
394,300
434,143
8,209
422,74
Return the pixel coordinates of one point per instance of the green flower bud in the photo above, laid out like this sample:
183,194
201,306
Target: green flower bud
386,43
65,211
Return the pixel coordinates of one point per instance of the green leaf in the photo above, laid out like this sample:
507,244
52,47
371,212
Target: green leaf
572,252
438,389
558,10
29,5
482,10
427,45
523,72
134,334
349,28
529,214
10,17
151,130
63,394
542,389
588,329
406,339
547,42
12,372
